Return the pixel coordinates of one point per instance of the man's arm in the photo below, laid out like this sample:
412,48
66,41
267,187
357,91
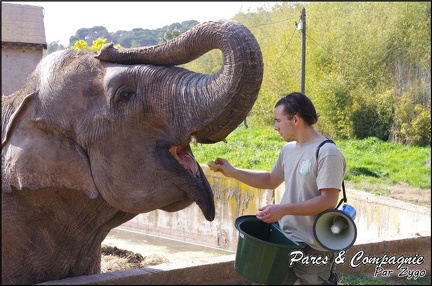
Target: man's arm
256,179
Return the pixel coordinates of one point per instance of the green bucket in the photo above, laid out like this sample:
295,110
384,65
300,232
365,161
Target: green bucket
263,251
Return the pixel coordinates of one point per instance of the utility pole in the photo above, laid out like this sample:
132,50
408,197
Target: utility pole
302,28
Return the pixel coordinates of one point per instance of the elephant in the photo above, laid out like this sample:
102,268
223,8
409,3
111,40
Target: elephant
93,139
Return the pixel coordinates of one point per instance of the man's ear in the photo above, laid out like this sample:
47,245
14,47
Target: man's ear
296,119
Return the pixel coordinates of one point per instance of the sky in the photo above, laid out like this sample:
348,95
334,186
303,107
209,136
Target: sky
63,19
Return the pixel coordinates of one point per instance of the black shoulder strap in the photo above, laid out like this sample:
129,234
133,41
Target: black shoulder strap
322,143
344,199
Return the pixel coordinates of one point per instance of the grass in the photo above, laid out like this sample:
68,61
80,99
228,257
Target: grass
368,280
375,161
369,161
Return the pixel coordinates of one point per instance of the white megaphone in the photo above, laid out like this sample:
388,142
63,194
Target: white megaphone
335,229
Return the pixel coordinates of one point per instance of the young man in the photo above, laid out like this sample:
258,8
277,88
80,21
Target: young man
311,185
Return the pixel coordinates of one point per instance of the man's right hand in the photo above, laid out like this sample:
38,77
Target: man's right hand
223,166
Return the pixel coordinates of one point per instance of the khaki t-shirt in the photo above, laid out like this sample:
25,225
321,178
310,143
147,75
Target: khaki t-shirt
304,176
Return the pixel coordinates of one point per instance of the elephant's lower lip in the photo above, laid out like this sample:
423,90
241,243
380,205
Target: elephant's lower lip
206,199
208,212
210,217
190,178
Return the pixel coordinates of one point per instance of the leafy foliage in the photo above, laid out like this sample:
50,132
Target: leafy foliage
91,34
137,37
361,68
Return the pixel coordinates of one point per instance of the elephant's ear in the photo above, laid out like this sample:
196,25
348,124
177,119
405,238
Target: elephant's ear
37,156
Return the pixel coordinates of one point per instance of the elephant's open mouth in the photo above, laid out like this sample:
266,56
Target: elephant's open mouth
197,186
185,158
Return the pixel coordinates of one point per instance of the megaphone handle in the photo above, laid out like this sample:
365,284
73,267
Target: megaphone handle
344,199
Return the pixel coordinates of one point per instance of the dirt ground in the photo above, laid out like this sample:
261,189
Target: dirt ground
114,259
411,195
401,192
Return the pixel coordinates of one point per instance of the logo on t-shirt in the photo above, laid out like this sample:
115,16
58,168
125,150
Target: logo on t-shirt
305,167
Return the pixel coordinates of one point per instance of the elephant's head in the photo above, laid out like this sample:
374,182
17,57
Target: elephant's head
119,124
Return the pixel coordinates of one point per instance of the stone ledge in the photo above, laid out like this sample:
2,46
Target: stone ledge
220,270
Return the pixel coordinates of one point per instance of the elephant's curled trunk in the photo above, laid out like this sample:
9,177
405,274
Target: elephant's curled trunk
236,84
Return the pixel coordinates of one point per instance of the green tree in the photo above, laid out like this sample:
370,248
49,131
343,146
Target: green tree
360,59
54,46
169,35
91,34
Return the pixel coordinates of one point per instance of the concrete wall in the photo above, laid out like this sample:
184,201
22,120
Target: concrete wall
23,41
23,24
377,217
18,62
381,218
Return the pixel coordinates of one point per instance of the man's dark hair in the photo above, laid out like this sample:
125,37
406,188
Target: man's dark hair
298,103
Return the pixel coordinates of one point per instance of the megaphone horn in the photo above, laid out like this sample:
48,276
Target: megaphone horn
335,229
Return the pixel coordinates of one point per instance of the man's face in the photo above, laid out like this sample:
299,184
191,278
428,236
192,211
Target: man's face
283,125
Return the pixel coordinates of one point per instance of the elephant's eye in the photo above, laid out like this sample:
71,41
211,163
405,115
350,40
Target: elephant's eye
124,94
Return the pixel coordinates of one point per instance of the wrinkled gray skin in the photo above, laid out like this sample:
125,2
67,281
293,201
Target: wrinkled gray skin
93,140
